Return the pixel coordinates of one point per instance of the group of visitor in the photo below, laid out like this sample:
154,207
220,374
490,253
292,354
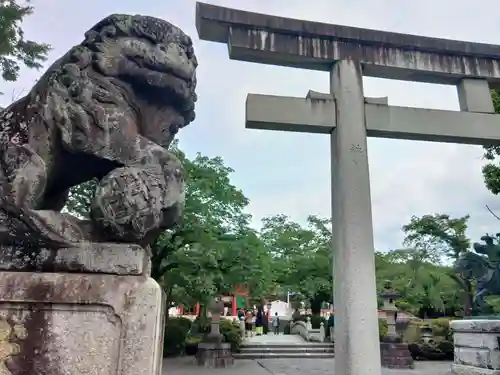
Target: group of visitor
254,321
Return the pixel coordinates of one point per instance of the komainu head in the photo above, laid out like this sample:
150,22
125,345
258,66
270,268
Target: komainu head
108,109
130,71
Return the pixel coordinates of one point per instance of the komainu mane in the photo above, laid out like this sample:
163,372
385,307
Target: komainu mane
108,109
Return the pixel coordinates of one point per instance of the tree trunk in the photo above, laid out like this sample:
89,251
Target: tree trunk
468,298
315,306
203,311
468,292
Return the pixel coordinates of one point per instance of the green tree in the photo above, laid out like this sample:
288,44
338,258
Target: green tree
413,260
438,236
301,257
247,261
426,288
14,48
491,171
214,248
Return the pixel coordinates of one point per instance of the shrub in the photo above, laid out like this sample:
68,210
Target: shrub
440,347
403,305
193,340
382,328
200,326
441,327
412,333
184,322
191,345
176,331
433,351
447,348
232,334
316,321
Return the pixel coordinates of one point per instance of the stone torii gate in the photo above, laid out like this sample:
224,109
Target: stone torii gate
348,53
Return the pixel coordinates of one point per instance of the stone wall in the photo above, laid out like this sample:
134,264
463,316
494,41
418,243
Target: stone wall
477,347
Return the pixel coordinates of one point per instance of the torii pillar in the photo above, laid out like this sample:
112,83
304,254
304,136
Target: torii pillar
348,53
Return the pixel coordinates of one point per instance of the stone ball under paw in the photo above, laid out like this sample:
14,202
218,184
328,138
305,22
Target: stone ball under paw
129,203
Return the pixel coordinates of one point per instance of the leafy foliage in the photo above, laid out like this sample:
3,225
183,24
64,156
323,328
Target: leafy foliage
214,248
435,237
80,199
427,289
301,257
176,331
491,171
14,48
383,328
438,235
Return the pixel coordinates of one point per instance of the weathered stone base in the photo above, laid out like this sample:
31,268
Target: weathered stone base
108,258
476,347
65,324
214,355
471,370
395,355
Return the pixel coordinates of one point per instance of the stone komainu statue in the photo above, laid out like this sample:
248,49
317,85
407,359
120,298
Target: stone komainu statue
108,109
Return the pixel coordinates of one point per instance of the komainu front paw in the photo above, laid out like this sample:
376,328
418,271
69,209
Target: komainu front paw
131,202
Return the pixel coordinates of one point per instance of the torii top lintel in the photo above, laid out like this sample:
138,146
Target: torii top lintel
289,42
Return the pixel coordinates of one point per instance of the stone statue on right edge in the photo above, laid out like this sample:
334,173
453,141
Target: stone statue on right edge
482,265
108,109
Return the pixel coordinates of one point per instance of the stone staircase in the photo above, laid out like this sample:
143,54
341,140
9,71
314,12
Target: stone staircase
283,346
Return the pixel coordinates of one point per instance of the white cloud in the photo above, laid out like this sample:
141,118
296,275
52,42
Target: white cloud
290,173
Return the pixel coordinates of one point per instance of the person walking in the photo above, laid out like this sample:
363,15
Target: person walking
241,314
276,324
259,321
331,325
248,323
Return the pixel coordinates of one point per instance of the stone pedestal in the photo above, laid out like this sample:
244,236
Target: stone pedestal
214,354
476,347
395,355
107,321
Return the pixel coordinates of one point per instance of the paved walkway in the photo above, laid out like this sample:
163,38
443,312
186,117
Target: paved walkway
186,366
301,366
271,339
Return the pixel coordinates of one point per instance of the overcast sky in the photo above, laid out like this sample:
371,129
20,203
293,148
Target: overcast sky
290,173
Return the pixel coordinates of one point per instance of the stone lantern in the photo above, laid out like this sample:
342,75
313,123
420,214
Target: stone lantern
216,310
426,334
394,353
389,298
213,351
